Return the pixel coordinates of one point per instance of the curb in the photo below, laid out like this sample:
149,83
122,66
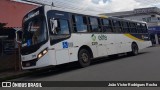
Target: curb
26,73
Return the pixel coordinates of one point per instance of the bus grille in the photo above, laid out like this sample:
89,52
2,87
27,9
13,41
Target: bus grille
29,63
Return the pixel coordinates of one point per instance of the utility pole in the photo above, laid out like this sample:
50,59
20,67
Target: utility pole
18,51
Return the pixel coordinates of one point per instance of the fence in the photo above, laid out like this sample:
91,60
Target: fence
9,55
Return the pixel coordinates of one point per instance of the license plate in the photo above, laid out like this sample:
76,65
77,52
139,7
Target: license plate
27,64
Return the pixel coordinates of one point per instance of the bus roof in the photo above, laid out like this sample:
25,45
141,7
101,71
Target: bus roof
47,7
131,20
77,11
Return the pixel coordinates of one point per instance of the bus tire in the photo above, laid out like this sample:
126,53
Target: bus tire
134,49
84,58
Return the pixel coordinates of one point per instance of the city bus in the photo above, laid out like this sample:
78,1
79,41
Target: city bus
53,37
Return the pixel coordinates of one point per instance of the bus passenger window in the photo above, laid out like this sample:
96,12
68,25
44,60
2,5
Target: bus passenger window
133,28
144,28
139,28
117,26
63,27
79,23
125,27
106,25
94,24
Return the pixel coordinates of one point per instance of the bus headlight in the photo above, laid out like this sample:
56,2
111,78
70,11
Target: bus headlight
44,52
41,54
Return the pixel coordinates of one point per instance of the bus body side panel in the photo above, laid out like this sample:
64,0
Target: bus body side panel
79,40
123,44
142,40
111,44
100,44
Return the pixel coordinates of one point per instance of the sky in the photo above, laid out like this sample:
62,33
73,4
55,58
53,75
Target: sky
102,6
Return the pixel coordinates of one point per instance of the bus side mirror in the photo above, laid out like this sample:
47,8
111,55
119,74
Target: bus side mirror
53,25
18,36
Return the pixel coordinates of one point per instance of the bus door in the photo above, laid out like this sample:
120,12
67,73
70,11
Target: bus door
60,33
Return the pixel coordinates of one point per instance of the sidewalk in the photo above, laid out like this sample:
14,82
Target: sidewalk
10,68
8,75
12,74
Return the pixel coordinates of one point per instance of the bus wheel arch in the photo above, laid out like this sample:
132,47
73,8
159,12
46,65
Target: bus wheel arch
84,56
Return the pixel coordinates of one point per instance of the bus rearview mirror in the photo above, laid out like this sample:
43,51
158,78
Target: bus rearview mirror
55,23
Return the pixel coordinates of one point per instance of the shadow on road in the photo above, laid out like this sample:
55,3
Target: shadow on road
110,59
74,66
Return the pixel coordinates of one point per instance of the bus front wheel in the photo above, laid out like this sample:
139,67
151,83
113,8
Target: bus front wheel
84,58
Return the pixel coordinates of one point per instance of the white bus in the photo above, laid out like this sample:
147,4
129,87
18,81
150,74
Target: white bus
53,37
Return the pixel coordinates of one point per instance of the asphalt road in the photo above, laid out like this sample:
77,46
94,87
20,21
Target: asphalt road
143,67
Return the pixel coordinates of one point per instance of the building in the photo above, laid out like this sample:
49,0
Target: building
13,12
11,15
150,15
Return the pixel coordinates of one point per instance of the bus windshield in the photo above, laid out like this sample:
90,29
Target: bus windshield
34,31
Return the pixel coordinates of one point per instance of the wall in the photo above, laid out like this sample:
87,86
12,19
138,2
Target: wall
12,12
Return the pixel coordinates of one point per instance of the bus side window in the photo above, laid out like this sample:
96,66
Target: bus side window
144,28
63,27
79,23
100,25
125,27
94,24
59,26
121,27
106,25
133,27
117,26
139,29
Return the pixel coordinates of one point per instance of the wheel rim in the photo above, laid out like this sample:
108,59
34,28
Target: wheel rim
85,57
135,49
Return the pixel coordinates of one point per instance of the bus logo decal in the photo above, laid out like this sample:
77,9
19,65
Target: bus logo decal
67,44
102,37
28,42
93,37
